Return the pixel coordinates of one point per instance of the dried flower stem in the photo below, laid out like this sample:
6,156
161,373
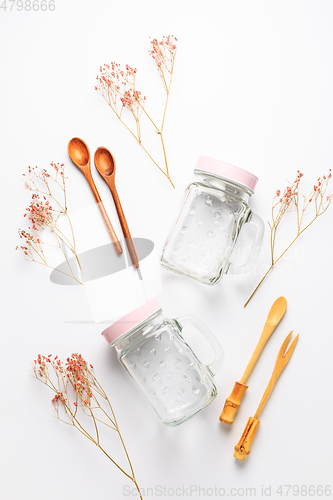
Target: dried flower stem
115,85
76,380
43,216
290,202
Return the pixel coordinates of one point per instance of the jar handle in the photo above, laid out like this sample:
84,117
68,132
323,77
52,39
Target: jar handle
256,247
216,364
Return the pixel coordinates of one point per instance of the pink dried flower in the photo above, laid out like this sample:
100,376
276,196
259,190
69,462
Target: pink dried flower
40,212
164,52
114,83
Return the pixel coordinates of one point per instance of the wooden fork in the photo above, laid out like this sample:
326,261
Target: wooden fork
242,449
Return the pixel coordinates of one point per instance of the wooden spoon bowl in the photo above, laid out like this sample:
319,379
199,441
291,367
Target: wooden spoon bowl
79,153
105,162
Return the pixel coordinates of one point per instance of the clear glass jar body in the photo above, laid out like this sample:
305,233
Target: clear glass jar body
172,378
205,233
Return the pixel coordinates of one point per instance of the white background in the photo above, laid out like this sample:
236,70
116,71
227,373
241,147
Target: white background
252,86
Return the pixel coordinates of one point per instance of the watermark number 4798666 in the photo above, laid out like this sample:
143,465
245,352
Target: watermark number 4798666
27,5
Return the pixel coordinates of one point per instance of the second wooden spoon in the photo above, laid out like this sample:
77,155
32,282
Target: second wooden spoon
106,167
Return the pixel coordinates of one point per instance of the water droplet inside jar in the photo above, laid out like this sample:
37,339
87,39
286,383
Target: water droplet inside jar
133,365
178,364
217,224
153,394
210,233
191,212
158,336
167,350
209,201
166,391
182,392
196,391
191,364
153,352
146,364
200,221
162,364
217,214
187,379
182,230
170,375
137,352
157,378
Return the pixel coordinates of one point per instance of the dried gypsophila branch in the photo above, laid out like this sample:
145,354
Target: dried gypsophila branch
290,201
43,216
76,379
164,54
118,88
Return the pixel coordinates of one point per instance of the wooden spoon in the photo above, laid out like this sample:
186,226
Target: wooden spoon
106,167
232,404
242,449
80,155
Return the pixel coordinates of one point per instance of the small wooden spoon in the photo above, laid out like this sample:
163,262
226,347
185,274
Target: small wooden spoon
80,155
106,167
242,449
232,404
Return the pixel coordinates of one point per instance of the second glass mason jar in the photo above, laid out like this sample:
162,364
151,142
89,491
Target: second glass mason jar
153,350
215,208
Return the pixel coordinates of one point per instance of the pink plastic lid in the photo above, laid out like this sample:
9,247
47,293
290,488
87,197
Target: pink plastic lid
227,171
130,320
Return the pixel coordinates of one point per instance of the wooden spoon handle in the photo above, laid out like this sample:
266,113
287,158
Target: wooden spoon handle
124,226
274,317
267,332
232,403
111,231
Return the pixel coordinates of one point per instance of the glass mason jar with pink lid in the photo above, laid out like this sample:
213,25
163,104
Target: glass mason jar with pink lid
215,208
154,351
